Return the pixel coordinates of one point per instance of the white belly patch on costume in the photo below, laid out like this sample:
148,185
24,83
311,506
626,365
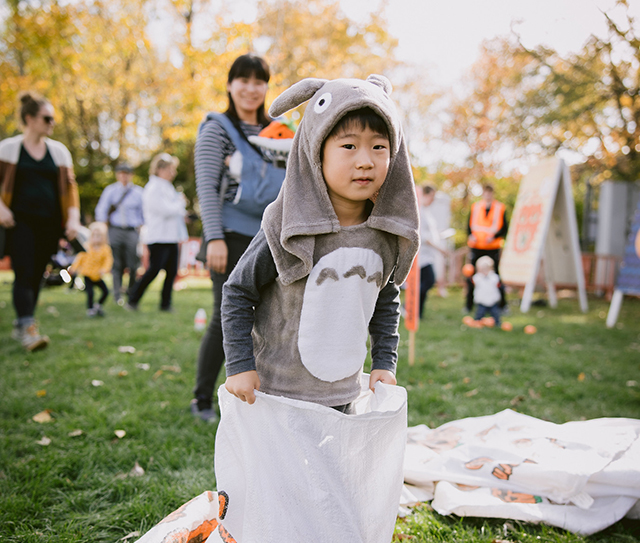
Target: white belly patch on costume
339,299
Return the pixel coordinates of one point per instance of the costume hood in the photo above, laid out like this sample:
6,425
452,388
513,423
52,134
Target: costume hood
303,209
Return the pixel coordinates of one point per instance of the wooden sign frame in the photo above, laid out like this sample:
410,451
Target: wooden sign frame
544,232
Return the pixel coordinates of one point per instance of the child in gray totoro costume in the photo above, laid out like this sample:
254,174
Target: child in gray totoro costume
322,275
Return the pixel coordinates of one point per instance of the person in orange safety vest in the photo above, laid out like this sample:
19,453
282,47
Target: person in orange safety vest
487,228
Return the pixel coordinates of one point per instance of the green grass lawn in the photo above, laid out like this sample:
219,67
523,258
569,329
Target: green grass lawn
80,487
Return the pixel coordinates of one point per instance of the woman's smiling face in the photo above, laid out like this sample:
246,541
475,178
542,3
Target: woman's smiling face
247,93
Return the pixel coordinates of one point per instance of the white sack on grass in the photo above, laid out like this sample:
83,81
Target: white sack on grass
298,471
487,502
580,476
196,518
516,452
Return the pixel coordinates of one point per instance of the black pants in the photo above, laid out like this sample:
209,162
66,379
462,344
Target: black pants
89,284
427,280
475,254
162,256
31,243
211,354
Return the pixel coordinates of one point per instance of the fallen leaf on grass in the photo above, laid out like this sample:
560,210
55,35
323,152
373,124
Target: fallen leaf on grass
632,383
43,416
45,441
157,374
533,394
53,311
175,369
41,393
581,376
136,471
75,433
145,367
471,393
97,383
120,433
129,536
402,537
126,349
466,380
89,344
123,373
515,401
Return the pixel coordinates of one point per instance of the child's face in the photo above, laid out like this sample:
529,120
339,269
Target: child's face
96,237
355,162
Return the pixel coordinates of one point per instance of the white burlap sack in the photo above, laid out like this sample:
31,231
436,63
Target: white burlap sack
297,471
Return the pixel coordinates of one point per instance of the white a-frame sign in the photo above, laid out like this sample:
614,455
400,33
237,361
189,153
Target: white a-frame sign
544,230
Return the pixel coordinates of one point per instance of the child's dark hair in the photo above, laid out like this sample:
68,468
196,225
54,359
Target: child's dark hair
246,66
363,118
30,104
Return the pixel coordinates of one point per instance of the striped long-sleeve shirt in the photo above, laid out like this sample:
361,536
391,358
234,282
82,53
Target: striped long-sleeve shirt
213,145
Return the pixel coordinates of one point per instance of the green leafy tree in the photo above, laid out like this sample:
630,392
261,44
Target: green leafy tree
587,102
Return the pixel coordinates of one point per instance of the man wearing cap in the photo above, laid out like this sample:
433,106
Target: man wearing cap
120,206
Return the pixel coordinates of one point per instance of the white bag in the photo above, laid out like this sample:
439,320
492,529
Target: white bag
581,476
296,471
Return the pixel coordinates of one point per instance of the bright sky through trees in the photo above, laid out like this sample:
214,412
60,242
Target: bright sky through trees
444,36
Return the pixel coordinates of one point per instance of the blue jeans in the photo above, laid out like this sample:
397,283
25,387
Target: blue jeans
493,310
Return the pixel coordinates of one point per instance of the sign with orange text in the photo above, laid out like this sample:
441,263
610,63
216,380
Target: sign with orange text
544,231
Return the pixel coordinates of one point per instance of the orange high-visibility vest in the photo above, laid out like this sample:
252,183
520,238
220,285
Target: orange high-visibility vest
485,224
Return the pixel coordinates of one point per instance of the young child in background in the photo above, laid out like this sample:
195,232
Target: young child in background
93,264
322,275
486,293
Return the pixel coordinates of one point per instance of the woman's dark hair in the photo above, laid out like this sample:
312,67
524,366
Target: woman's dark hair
30,104
246,66
363,118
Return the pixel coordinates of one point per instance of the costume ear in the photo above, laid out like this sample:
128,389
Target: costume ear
381,81
295,95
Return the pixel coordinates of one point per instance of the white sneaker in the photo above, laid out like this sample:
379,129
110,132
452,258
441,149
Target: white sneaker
92,312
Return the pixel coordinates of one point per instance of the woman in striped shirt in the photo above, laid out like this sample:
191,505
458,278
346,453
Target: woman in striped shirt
227,228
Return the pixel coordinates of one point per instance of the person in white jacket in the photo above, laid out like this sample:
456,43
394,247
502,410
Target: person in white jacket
164,210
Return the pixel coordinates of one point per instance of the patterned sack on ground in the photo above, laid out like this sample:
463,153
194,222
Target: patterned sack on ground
581,476
194,521
298,471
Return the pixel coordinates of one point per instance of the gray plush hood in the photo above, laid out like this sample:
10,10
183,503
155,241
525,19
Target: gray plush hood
303,209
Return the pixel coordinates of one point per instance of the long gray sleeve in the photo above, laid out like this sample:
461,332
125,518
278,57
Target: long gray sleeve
240,295
383,328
